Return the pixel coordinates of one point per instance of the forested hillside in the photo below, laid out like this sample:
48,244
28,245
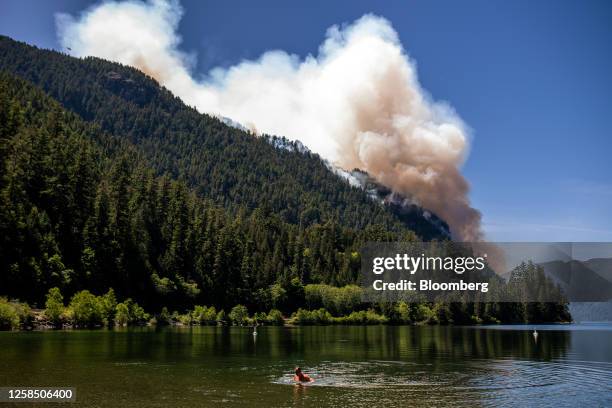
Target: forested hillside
108,181
82,209
231,167
121,185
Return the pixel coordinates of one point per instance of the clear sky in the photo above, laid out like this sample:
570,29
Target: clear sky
532,79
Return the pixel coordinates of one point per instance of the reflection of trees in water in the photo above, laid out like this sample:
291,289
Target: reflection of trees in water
416,343
421,343
444,343
429,344
413,343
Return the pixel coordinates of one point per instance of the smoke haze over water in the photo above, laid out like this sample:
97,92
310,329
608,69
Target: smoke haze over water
357,102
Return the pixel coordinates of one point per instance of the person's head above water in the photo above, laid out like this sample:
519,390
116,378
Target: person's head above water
300,376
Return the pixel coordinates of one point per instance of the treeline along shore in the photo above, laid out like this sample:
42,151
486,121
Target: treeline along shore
323,305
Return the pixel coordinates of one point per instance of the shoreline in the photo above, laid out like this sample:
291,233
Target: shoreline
88,311
42,325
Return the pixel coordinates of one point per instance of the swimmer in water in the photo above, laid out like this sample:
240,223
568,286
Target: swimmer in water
301,377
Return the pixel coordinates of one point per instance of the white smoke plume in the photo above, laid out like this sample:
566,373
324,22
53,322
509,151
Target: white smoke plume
357,102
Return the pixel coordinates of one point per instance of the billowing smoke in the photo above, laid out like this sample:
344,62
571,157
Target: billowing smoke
357,102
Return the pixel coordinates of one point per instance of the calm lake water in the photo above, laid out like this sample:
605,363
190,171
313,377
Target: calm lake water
353,366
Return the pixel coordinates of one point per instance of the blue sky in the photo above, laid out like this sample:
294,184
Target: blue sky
531,79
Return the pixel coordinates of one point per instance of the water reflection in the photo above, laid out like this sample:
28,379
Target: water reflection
431,344
361,366
299,395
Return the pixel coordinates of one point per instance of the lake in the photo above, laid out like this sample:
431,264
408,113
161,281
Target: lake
387,366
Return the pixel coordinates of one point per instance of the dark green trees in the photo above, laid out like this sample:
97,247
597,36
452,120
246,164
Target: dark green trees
78,215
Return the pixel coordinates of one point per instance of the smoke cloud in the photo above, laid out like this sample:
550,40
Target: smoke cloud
357,102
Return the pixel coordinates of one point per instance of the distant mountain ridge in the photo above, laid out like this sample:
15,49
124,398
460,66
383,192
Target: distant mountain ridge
579,281
602,266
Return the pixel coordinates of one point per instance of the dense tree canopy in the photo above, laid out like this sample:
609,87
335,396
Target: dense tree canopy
231,167
78,214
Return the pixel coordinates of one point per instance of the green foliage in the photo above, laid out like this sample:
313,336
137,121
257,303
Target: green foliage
54,307
122,314
323,317
204,315
9,319
239,315
87,310
339,301
363,317
108,305
421,312
14,315
221,318
129,313
403,312
275,317
278,295
184,319
312,317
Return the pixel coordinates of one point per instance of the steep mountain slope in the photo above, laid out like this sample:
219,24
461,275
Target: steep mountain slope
110,181
82,209
227,165
415,217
